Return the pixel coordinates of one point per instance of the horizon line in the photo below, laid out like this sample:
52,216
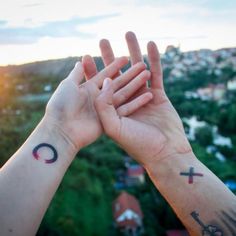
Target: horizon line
74,56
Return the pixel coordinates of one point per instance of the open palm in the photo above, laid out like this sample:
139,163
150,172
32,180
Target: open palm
71,108
154,131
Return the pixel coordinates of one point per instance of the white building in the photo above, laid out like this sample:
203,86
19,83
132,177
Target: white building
193,125
231,85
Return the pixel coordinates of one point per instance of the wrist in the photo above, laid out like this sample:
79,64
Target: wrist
57,136
169,150
161,168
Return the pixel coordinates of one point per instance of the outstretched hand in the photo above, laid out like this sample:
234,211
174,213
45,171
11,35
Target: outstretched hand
154,131
71,108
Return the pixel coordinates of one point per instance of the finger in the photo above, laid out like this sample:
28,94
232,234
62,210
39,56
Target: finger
126,92
90,68
110,70
155,66
77,74
106,111
131,73
134,49
107,54
129,108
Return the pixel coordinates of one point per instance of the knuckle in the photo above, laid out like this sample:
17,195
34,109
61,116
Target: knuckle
141,65
120,97
124,96
122,111
115,100
117,82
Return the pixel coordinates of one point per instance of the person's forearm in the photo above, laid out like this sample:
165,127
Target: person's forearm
203,203
30,178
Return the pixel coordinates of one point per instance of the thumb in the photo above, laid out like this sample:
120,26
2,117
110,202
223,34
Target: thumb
77,74
106,110
89,65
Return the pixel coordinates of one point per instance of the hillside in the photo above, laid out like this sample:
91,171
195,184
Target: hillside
61,67
58,67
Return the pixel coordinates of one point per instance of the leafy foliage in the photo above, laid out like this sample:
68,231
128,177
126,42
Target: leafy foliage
204,135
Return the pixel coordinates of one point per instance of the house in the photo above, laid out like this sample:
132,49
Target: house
128,214
193,124
135,175
212,92
231,84
191,94
220,157
222,141
205,93
127,161
47,88
211,149
171,51
218,91
177,233
120,182
176,73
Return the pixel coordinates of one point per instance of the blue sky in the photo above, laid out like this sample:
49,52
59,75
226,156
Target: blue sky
42,29
54,29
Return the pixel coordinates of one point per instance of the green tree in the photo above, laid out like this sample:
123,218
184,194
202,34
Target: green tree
227,120
204,135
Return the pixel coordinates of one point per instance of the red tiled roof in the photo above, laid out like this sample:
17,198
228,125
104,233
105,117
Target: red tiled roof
135,170
126,201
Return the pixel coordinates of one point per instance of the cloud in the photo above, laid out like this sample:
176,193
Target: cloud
191,10
3,22
32,4
170,37
210,4
54,29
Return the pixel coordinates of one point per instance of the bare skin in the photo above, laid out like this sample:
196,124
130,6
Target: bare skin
80,111
31,176
154,136
157,119
141,119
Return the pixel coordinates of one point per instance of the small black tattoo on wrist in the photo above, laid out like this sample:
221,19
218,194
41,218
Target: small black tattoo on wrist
191,174
207,230
42,145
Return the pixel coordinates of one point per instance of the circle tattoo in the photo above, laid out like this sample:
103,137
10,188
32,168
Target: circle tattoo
42,145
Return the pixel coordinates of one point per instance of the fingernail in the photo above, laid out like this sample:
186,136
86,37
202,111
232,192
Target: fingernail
106,83
78,63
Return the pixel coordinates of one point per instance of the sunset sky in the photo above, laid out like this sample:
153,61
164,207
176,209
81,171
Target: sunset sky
45,29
